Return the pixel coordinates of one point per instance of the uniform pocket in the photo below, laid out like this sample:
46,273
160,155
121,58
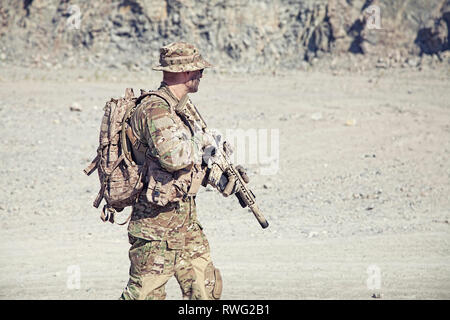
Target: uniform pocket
138,254
161,189
146,257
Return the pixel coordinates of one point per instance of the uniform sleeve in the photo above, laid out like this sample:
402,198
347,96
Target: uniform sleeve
173,144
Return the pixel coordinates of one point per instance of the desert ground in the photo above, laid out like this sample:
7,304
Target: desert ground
357,195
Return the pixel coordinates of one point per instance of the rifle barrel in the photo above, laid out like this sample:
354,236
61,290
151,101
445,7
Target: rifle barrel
258,215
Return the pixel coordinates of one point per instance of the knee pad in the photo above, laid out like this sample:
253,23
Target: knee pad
213,282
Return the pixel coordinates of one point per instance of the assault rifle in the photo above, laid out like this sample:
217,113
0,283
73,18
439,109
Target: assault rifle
223,174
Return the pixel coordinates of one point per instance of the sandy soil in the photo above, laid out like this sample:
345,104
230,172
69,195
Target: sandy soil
362,184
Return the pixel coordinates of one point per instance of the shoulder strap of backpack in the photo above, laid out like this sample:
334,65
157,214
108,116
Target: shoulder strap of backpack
126,129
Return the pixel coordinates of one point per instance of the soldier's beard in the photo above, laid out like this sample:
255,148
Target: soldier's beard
193,85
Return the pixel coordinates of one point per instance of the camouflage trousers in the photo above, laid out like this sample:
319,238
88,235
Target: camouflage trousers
153,263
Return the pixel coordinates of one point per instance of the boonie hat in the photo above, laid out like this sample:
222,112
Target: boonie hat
180,57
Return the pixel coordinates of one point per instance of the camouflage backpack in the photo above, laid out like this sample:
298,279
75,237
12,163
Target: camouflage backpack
121,178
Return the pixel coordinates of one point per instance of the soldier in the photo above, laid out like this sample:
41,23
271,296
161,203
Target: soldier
166,238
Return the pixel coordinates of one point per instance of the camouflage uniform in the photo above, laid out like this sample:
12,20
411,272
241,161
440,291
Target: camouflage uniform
168,240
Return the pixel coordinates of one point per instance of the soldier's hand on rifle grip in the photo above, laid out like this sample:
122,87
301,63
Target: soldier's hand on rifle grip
230,188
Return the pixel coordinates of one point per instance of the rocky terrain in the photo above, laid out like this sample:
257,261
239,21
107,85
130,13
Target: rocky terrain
348,144
361,179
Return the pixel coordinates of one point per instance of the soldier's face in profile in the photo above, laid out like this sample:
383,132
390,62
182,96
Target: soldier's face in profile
194,80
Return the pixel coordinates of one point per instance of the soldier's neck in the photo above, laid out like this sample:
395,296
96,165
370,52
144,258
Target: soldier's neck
178,90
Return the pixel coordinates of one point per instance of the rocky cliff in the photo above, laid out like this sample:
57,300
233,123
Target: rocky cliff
233,34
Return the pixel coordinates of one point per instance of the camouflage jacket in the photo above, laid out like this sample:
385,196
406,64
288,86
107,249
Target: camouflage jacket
171,139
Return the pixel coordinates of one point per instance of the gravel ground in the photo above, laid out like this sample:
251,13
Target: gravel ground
359,181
